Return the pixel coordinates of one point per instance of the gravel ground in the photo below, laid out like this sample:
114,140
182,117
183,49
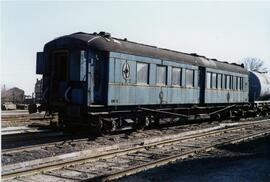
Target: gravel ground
90,143
243,162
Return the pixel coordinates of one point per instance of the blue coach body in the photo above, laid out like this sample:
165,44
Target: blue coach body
84,73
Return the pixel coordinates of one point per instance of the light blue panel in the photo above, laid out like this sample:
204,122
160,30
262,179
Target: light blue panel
157,98
166,97
135,58
225,72
153,97
189,95
152,79
115,54
133,72
196,76
118,73
142,96
169,75
121,95
210,97
118,78
177,64
126,95
90,76
77,96
220,96
111,70
232,99
145,95
112,96
245,80
174,95
183,77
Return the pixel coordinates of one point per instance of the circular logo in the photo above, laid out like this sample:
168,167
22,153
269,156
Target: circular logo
126,71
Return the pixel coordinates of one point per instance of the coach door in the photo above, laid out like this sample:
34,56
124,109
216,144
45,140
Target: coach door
201,79
59,74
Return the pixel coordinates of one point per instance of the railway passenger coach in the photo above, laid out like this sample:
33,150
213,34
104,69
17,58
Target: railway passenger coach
107,84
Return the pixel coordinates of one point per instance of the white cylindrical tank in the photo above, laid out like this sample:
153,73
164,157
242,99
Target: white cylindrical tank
259,86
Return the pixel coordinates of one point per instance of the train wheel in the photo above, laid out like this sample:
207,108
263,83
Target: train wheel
96,126
142,123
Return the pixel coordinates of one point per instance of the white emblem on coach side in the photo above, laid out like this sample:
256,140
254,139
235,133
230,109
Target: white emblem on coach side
126,71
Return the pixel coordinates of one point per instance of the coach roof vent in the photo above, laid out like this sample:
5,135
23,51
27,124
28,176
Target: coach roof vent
105,34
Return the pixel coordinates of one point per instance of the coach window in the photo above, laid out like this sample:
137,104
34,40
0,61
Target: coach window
219,81
208,80
161,75
237,83
189,78
241,83
176,76
142,73
214,80
222,81
231,82
227,82
83,63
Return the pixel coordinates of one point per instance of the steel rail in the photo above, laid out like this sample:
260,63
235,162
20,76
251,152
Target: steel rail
62,139
12,138
113,153
166,160
68,139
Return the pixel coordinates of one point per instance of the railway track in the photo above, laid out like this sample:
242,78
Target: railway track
113,163
59,139
22,116
14,136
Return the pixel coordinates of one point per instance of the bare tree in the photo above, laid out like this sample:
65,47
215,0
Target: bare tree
254,64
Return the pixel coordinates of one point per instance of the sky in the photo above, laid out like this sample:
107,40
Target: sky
228,31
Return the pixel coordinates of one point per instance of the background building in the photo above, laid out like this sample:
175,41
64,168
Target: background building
38,91
14,95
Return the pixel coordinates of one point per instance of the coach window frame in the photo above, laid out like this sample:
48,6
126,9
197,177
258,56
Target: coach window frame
231,82
208,79
165,77
219,81
239,83
187,77
227,82
147,79
179,83
214,80
236,84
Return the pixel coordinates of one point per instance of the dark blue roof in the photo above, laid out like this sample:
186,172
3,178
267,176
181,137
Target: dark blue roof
104,42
